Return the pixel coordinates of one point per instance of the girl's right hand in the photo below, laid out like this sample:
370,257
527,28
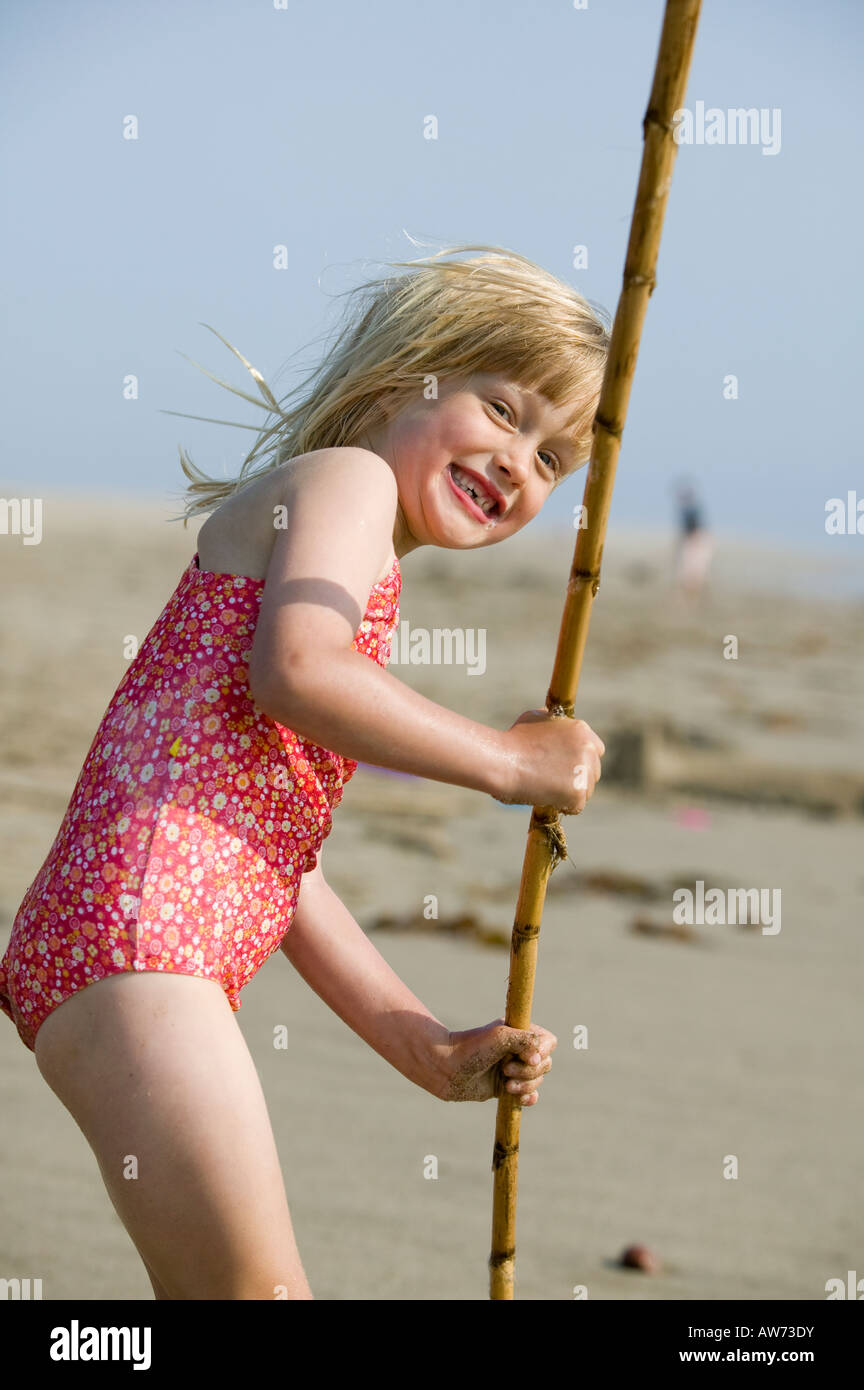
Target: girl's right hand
552,761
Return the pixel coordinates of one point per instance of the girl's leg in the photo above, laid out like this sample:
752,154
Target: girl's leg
157,1287
157,1075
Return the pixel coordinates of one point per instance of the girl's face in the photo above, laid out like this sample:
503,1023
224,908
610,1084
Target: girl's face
486,434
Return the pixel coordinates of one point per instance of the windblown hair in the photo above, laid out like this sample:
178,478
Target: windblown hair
496,312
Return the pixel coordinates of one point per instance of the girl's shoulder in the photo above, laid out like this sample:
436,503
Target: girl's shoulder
238,537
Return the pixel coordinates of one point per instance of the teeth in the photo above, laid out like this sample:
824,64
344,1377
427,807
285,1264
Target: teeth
466,484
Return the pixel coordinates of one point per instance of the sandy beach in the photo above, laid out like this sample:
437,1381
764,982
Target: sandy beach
705,1040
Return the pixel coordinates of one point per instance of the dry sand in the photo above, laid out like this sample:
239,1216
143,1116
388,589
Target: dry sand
731,1042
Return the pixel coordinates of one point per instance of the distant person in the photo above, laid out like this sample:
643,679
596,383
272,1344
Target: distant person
695,545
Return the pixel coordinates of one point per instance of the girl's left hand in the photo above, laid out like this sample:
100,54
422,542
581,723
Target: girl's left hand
486,1061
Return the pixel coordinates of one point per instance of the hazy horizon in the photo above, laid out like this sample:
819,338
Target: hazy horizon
259,127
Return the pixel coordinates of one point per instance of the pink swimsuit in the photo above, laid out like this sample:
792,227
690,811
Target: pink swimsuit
193,818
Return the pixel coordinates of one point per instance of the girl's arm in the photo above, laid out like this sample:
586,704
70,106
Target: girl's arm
339,513
336,958
340,508
333,954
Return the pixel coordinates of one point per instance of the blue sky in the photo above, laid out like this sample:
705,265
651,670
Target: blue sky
303,126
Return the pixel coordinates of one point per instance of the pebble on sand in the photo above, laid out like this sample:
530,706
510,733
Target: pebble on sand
640,1257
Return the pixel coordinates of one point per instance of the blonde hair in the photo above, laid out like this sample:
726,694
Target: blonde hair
496,312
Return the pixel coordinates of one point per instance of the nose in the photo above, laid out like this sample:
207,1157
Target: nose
515,462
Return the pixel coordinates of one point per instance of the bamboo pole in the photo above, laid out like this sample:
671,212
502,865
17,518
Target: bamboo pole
546,843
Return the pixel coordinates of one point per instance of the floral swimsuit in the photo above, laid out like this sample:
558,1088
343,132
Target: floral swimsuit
193,818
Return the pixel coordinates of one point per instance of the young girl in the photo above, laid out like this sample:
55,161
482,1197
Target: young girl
445,415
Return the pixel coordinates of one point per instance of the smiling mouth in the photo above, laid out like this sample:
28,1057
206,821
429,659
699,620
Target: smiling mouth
483,501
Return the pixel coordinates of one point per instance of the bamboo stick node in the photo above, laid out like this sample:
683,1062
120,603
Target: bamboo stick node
502,1257
502,1151
649,280
607,425
526,931
556,842
654,117
578,578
